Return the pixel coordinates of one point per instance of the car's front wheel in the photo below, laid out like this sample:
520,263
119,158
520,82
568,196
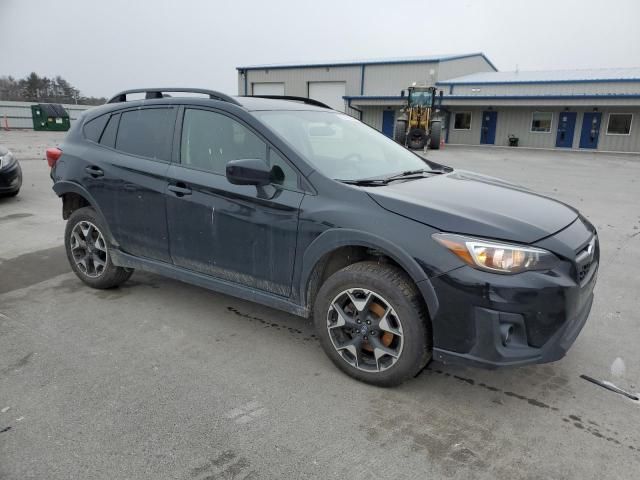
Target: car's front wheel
88,251
372,323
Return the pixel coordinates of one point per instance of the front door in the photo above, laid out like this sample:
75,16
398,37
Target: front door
566,127
388,120
239,233
488,129
590,129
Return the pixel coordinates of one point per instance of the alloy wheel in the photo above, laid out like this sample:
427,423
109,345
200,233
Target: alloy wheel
88,248
365,330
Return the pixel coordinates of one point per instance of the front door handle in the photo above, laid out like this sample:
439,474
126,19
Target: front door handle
94,171
179,189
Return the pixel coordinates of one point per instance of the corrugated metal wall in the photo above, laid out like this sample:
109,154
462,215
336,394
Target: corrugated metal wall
18,114
297,80
462,66
387,80
517,121
597,88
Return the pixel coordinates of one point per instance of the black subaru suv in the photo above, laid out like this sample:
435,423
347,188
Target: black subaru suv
293,205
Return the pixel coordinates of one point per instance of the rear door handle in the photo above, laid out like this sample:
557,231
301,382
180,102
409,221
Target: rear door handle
179,189
94,171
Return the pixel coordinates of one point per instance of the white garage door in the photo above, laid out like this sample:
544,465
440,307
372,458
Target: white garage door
330,93
268,88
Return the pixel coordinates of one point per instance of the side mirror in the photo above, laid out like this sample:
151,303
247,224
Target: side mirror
248,171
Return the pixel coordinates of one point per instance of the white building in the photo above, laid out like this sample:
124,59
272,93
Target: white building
579,109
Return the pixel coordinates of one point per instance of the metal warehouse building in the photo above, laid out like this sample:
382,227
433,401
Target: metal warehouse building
579,109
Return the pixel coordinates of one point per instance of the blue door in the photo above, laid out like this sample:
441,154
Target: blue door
590,130
388,119
488,130
566,127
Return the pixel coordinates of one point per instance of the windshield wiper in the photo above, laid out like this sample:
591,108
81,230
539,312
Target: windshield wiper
365,182
412,173
409,174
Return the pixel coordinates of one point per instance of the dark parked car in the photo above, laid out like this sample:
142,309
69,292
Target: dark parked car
293,205
10,173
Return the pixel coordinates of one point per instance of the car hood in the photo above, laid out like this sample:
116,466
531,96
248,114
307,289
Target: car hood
473,204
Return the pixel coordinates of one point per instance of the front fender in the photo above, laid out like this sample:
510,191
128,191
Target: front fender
333,239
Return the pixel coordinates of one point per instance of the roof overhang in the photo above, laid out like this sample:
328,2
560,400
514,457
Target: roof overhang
542,100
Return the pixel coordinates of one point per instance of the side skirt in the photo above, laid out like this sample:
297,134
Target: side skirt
122,259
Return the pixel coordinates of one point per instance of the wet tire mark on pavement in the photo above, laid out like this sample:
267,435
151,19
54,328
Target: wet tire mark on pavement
294,331
593,427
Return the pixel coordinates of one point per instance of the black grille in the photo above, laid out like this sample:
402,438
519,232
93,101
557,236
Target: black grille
583,271
586,258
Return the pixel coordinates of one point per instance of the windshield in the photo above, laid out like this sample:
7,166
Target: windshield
340,146
420,98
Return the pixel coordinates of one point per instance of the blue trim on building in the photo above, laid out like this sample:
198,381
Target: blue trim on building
373,97
539,97
543,82
369,62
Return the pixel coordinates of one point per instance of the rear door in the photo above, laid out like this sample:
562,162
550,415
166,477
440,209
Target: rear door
137,170
239,233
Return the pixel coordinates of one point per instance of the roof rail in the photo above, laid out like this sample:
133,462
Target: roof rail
308,101
151,93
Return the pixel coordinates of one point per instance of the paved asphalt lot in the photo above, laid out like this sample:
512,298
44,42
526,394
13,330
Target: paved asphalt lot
159,379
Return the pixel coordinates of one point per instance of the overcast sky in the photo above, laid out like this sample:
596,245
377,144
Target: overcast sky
102,46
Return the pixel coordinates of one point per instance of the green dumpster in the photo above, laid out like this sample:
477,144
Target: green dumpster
50,116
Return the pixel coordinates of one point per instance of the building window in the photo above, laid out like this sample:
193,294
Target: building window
619,124
462,121
541,122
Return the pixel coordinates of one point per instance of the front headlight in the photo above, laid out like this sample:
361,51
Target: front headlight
496,257
6,160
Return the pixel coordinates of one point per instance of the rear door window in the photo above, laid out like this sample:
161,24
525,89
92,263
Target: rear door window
147,133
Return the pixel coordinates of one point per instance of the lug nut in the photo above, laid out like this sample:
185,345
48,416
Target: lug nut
368,322
358,321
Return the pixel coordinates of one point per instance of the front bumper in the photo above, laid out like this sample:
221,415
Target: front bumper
11,179
491,320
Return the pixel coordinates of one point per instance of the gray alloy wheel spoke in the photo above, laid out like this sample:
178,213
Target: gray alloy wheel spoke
343,320
89,249
361,304
355,327
352,346
385,326
379,350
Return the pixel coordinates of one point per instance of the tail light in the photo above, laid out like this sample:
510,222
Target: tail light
53,154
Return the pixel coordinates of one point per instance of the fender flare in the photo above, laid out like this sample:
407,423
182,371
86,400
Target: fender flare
333,239
62,187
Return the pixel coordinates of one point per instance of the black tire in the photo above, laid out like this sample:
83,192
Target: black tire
109,275
436,134
417,139
400,135
402,296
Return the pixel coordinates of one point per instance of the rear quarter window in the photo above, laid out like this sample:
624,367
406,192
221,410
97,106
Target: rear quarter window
93,128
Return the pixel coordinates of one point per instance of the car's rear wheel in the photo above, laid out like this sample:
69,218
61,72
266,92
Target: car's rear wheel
88,251
372,323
